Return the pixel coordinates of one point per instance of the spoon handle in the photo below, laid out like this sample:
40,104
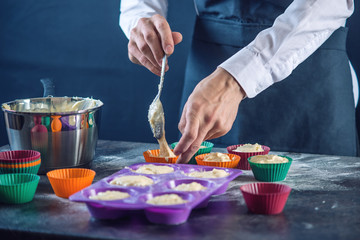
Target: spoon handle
163,64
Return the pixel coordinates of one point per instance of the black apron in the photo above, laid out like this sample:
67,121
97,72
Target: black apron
311,111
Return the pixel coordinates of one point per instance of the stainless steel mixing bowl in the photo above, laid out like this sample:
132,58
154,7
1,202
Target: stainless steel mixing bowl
63,129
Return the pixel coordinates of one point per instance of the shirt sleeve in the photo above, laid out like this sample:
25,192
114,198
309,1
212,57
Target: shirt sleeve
132,10
295,35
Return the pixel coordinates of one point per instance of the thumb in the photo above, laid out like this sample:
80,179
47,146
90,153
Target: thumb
177,37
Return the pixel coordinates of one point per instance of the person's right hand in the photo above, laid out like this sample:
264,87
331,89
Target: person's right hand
149,40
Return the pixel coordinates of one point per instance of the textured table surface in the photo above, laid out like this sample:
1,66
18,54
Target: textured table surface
324,204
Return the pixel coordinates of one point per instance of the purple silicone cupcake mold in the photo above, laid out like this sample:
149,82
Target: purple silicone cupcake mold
163,184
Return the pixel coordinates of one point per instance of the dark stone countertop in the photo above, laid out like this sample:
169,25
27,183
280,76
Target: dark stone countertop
324,204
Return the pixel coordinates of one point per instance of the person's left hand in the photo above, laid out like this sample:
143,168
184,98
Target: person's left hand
209,112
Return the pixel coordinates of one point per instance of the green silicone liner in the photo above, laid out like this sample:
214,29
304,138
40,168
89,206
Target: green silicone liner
273,172
31,170
207,149
18,188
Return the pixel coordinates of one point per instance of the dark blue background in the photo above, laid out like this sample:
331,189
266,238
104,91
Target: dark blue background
81,47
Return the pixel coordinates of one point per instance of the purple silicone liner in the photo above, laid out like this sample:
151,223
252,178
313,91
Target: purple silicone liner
163,184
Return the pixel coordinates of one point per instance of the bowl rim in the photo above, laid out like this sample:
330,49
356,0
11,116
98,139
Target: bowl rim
50,113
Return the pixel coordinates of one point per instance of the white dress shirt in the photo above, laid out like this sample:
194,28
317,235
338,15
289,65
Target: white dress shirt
276,51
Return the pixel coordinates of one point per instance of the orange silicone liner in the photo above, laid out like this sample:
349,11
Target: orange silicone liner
232,164
68,181
23,155
244,164
152,156
21,165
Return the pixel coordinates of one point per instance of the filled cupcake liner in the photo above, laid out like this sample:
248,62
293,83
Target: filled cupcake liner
272,172
232,164
207,149
152,156
23,155
67,181
18,188
33,169
265,198
244,164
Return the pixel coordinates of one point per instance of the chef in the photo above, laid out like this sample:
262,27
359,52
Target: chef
273,72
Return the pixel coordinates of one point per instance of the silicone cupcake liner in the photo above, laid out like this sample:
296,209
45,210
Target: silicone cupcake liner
272,172
206,149
163,184
265,198
232,164
152,157
70,180
244,164
18,161
23,155
20,165
32,169
18,188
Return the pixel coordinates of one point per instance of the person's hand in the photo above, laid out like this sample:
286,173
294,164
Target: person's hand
149,40
209,112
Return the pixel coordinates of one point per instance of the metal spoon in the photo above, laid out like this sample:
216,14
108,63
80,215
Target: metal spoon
156,117
156,112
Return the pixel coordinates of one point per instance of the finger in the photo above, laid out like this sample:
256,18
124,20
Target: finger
190,134
186,156
165,33
153,41
213,133
137,57
177,37
144,48
218,130
182,122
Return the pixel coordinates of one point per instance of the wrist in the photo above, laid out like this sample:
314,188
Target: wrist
231,83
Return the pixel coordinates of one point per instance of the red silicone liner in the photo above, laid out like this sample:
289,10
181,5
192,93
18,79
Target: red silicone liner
244,164
23,155
265,198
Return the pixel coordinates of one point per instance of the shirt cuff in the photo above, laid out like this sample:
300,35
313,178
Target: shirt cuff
248,70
